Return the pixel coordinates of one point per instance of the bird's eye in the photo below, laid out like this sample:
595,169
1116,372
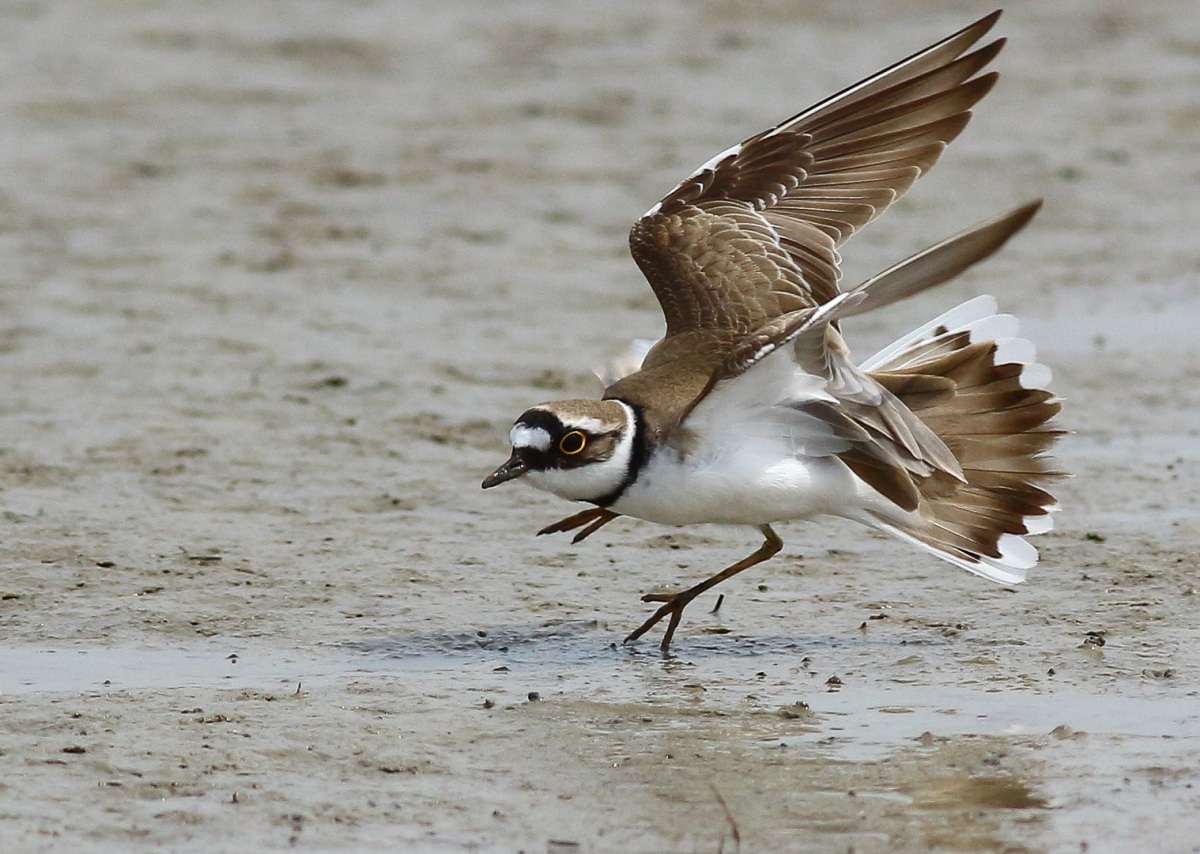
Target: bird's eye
572,443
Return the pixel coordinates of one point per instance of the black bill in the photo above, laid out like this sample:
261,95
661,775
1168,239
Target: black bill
514,468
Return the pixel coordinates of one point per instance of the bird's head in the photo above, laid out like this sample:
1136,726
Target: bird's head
580,450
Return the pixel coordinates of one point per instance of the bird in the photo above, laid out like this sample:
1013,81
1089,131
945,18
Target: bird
751,412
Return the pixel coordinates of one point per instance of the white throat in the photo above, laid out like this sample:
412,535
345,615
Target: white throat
594,480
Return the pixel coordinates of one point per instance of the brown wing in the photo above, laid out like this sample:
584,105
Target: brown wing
754,233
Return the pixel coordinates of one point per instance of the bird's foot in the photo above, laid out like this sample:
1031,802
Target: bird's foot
594,518
673,605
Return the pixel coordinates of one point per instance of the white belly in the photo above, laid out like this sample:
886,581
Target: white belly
741,487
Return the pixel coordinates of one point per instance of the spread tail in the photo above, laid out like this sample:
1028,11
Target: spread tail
976,385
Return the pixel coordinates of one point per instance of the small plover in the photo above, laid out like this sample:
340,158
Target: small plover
750,410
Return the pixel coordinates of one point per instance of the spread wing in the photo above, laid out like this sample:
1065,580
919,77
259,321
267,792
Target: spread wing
754,233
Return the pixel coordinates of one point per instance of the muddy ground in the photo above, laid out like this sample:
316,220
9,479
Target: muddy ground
275,279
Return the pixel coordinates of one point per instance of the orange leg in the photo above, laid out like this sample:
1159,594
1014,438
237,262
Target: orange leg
598,517
676,602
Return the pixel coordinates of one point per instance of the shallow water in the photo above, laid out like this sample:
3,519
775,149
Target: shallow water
1058,755
861,721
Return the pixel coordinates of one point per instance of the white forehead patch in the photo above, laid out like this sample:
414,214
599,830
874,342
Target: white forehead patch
523,436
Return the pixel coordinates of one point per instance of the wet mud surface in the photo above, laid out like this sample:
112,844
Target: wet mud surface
275,284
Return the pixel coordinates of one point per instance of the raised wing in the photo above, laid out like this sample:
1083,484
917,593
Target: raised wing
754,233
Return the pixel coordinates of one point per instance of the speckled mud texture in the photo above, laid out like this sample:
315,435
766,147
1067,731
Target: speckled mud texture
276,278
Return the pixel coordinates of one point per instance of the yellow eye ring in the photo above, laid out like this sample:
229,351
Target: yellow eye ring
572,443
